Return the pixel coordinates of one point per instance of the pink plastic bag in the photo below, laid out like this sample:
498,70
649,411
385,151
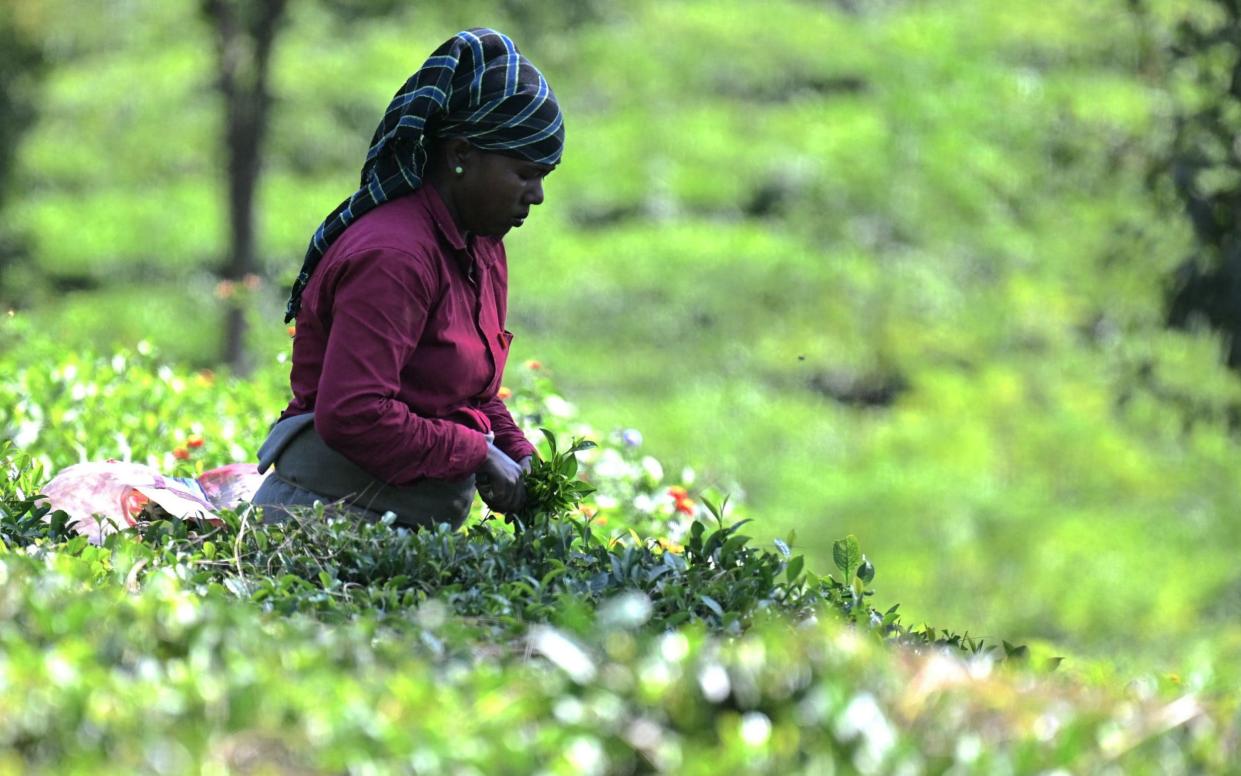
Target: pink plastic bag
102,498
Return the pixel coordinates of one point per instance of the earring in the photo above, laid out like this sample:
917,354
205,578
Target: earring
458,169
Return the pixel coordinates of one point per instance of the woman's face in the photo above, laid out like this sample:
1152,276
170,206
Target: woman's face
496,192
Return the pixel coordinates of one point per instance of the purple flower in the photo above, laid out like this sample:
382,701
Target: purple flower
631,437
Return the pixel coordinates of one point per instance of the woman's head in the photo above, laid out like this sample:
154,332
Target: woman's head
487,192
477,88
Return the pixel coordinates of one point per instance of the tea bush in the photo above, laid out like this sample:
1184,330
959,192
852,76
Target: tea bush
558,555
622,624
153,677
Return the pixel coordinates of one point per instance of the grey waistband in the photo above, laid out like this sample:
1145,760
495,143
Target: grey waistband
303,459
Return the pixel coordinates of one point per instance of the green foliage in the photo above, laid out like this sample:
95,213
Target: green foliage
21,515
638,629
552,487
912,288
155,677
127,406
555,566
70,407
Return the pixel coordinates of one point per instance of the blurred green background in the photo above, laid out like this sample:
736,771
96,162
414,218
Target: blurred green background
892,268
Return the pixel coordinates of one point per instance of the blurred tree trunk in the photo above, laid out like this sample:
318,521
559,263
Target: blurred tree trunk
1204,165
21,68
245,31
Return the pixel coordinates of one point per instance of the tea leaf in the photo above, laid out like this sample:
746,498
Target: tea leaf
712,604
847,555
794,568
866,571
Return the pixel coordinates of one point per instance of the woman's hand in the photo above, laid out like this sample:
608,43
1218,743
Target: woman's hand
499,481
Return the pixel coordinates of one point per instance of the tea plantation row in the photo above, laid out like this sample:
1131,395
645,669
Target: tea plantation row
635,630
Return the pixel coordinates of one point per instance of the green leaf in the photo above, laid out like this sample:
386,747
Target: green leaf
866,571
551,440
794,568
890,617
716,511
734,543
551,575
712,604
675,619
847,555
714,541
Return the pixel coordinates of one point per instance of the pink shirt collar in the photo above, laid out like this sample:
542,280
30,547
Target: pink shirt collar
435,205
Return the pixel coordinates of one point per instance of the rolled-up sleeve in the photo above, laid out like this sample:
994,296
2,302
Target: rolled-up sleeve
379,308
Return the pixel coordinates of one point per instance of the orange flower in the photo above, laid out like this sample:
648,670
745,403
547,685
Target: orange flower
252,281
677,492
532,364
292,330
685,506
504,392
590,510
194,440
181,454
133,502
206,377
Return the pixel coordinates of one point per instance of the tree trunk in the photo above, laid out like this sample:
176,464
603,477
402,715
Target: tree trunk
1207,285
21,69
245,31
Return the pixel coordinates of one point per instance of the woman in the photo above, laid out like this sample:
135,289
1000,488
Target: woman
400,342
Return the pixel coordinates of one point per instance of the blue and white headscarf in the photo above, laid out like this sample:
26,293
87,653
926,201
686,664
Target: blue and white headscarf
477,85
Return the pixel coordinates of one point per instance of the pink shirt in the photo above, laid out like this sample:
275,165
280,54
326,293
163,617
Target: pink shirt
401,345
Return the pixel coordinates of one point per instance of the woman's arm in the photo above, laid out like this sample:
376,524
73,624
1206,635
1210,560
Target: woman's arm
509,436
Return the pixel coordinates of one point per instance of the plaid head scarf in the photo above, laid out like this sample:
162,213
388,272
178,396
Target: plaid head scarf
477,86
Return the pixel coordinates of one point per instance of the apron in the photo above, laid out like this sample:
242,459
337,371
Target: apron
306,470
